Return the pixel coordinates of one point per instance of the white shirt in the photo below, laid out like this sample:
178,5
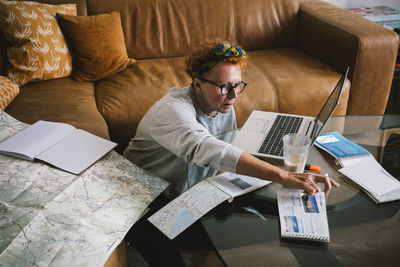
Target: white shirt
176,141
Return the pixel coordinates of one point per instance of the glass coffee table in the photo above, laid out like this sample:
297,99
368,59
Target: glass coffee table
246,232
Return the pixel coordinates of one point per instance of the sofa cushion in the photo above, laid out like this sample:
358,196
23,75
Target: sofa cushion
297,84
59,100
8,91
37,47
97,44
125,97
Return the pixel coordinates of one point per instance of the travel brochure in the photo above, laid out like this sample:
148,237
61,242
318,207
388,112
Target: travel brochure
302,216
345,151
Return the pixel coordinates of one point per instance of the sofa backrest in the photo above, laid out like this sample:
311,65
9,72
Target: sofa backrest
170,28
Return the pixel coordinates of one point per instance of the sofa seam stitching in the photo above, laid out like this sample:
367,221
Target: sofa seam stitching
175,74
100,107
274,89
235,20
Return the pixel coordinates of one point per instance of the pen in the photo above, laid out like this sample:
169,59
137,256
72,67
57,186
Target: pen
310,167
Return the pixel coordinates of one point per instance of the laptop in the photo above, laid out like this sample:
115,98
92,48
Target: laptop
262,133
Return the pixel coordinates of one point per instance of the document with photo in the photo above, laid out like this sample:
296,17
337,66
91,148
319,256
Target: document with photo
302,216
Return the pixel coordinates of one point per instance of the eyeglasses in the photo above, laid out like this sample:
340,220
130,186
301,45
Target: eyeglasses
226,88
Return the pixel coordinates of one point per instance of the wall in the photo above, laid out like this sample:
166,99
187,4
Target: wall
364,3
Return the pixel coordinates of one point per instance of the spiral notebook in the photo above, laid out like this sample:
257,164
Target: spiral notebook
302,216
190,206
345,151
380,185
360,166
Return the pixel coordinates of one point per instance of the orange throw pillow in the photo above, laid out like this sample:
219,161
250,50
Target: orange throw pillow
37,48
8,91
97,45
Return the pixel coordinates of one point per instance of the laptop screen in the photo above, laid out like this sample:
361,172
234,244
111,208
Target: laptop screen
329,107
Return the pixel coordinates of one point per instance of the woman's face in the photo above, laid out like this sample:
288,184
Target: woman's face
208,96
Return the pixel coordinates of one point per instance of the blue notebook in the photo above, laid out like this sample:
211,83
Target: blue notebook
345,151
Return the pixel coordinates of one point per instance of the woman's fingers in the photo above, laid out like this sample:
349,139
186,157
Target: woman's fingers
309,182
328,182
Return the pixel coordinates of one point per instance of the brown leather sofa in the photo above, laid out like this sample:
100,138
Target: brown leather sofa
297,51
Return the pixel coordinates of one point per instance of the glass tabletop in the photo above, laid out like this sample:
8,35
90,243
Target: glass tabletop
246,232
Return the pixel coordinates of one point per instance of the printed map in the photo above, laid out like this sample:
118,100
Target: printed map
49,217
187,208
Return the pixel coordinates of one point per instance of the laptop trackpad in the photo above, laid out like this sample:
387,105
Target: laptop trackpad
248,141
257,125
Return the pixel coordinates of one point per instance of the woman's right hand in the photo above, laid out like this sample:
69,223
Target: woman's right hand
307,182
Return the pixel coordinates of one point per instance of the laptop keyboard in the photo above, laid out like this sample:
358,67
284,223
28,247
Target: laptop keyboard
273,144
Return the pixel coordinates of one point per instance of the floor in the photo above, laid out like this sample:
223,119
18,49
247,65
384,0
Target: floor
196,249
192,258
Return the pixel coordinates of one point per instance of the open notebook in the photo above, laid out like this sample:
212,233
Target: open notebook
360,166
58,144
190,206
302,216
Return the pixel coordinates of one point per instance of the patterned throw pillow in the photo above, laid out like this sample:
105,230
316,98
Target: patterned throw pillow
37,50
8,91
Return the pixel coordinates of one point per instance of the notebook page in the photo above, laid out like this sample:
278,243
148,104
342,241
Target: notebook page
36,138
77,152
370,175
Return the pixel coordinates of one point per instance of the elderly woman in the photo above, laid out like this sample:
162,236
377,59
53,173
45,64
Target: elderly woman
183,137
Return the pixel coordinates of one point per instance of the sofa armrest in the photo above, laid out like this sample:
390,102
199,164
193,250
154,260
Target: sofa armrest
341,38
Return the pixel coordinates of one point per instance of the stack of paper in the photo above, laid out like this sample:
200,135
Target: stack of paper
374,179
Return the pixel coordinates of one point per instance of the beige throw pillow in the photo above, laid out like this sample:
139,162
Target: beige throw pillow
37,50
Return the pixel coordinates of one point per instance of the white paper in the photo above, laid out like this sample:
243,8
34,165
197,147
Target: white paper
327,139
36,138
58,144
77,151
371,176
